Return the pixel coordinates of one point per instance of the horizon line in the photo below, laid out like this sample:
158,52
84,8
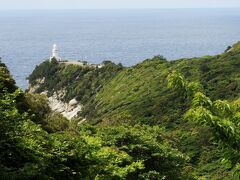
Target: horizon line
130,8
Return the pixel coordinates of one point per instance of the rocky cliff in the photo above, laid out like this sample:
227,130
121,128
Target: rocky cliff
70,86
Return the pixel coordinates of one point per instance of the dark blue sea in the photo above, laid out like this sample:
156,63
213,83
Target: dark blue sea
126,36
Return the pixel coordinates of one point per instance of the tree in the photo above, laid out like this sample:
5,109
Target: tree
222,116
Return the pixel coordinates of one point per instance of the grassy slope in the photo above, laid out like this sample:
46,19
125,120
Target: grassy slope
28,152
139,94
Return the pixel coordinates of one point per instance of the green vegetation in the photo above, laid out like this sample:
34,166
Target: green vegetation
36,143
157,120
222,116
140,93
80,82
6,81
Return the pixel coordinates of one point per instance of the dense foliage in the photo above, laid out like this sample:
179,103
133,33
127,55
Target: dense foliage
140,93
114,95
80,82
6,81
149,123
32,147
222,116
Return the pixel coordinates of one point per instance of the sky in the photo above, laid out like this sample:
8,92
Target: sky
113,4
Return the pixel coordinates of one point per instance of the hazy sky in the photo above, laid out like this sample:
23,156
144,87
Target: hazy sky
103,4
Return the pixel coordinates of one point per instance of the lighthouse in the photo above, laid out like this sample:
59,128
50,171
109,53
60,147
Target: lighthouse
55,53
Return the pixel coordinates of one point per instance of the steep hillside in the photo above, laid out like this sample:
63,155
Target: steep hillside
114,95
36,143
80,82
68,84
140,93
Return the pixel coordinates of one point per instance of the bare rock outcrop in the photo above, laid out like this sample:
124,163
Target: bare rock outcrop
68,110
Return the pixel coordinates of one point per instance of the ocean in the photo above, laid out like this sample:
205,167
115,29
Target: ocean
124,36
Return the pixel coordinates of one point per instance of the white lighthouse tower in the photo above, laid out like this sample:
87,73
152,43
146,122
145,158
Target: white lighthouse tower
55,53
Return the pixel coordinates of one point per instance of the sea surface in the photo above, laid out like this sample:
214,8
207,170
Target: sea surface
126,36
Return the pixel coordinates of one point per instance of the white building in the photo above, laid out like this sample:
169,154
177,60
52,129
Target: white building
55,53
